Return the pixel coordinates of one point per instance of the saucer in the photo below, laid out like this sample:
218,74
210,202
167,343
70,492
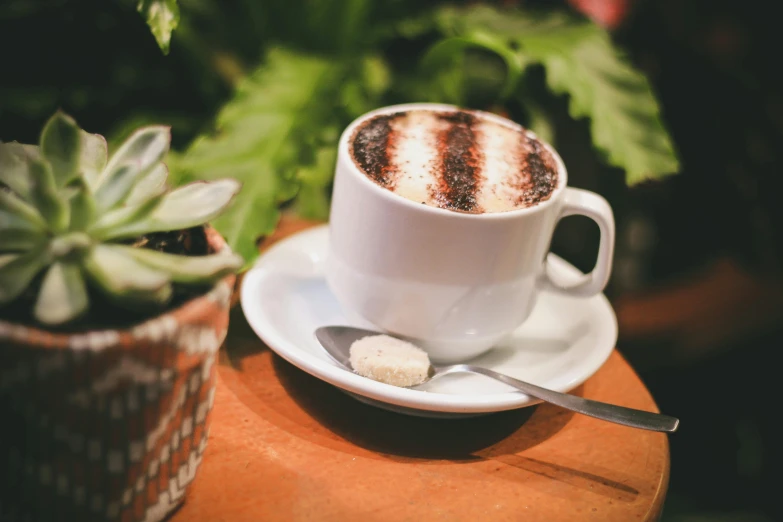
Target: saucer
564,341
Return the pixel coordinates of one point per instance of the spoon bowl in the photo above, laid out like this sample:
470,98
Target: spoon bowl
337,341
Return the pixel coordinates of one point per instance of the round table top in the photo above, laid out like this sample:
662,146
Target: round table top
286,446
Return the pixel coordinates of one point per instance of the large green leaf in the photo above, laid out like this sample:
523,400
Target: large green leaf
261,140
312,201
449,50
624,116
539,120
360,91
162,17
581,62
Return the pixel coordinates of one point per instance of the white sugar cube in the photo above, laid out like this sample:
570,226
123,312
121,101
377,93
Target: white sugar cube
389,360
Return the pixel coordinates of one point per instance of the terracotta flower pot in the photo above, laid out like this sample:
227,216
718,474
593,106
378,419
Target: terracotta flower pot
108,425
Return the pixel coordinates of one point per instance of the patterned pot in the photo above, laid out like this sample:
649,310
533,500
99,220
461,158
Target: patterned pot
108,425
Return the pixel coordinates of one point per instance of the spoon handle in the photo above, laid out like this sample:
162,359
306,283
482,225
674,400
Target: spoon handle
609,412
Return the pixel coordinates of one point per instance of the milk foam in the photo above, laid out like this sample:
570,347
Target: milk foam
455,160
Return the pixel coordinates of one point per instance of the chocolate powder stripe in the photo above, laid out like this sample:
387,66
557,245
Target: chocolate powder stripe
373,147
540,169
459,166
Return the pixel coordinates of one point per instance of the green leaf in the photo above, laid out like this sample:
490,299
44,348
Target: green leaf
539,121
446,51
15,239
47,200
16,274
507,23
15,213
581,62
120,276
15,161
144,149
353,20
63,295
260,138
162,17
624,116
361,90
7,258
375,75
137,159
187,269
119,217
83,207
312,201
115,188
185,207
409,27
152,184
61,145
92,161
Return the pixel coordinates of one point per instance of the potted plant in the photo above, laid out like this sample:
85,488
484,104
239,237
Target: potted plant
114,301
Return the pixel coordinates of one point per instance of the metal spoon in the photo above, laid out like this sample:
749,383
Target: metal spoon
337,341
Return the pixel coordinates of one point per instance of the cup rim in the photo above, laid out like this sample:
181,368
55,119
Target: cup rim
345,156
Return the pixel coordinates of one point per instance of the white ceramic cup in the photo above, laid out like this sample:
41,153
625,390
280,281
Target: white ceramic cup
454,283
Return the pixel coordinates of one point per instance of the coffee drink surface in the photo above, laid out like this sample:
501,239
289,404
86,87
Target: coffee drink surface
455,160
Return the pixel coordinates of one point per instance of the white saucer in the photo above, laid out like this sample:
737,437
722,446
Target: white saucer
565,341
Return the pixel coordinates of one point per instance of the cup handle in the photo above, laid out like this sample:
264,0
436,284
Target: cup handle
586,203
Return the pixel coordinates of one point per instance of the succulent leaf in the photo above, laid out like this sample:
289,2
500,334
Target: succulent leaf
83,207
63,206
16,274
14,166
94,154
144,148
17,214
119,275
152,184
45,196
63,295
123,216
116,187
16,239
7,258
187,269
61,145
185,207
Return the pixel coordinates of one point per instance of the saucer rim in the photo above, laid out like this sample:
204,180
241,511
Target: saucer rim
422,400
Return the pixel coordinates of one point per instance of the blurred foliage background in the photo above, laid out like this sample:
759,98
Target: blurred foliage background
260,90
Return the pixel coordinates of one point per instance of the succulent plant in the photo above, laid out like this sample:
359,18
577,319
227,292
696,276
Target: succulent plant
71,213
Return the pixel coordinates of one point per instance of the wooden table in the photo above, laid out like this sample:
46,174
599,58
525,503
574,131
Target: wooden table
286,446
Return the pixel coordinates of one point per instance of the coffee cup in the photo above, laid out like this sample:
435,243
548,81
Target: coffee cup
455,283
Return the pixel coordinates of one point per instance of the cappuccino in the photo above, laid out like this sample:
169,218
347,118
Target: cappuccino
455,159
